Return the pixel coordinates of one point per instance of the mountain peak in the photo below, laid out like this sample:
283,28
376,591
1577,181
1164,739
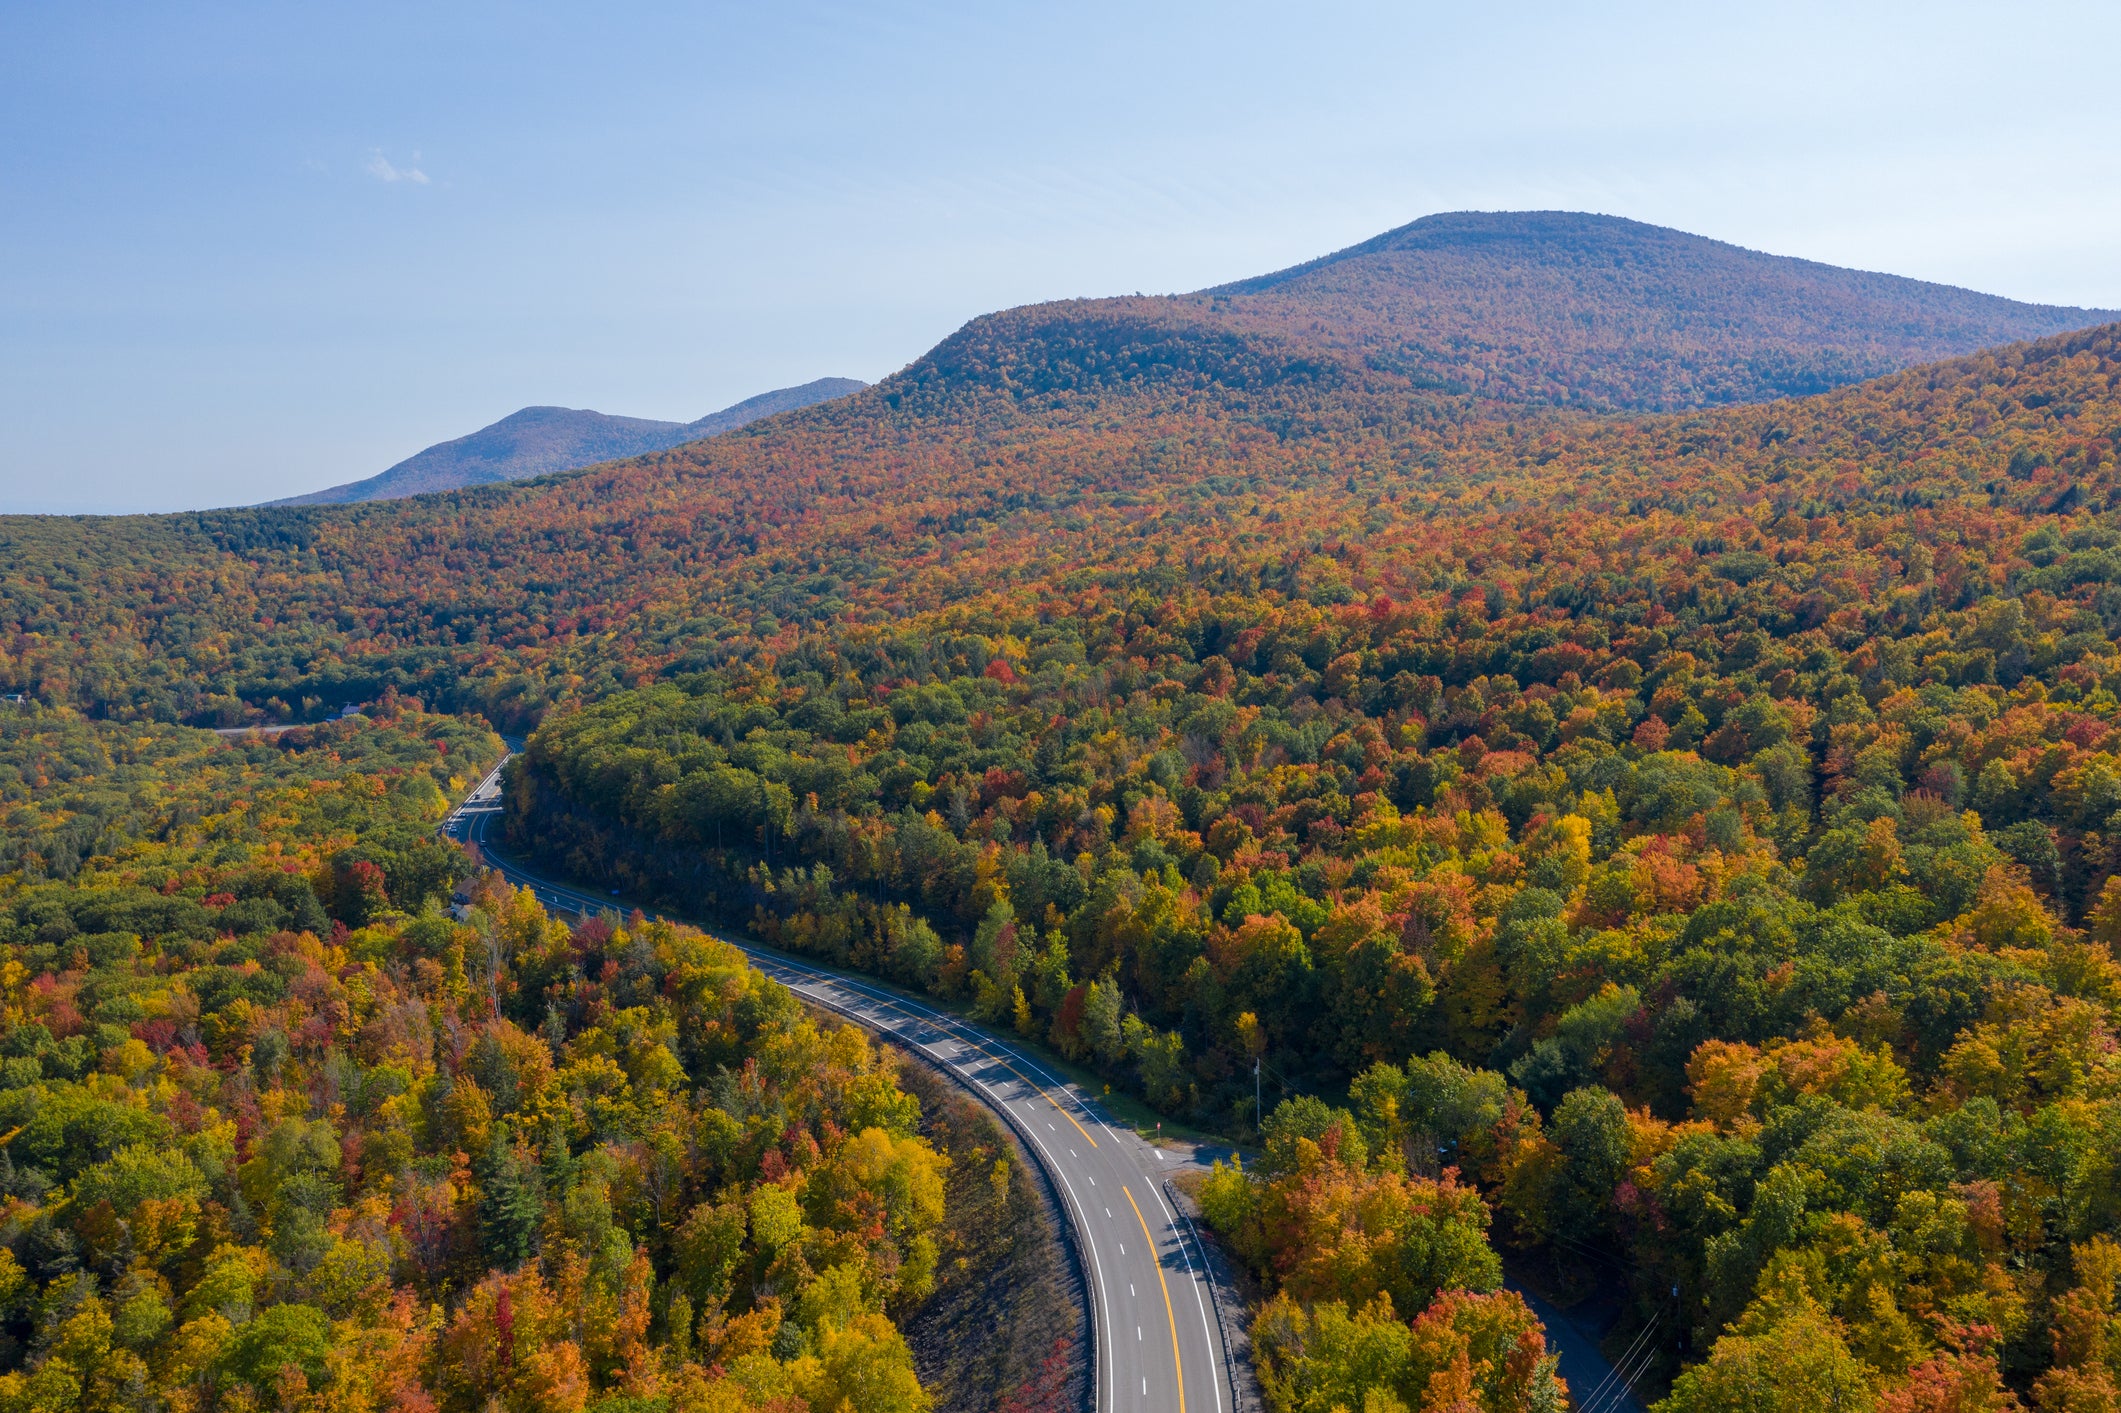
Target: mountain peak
539,441
1607,314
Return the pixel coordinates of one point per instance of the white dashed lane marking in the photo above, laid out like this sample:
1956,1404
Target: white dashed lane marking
971,1061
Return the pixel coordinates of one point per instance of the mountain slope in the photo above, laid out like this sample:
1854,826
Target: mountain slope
767,404
858,513
1606,314
1053,444
538,441
1543,309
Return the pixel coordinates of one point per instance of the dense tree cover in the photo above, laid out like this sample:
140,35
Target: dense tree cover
1697,830
1135,435
1707,907
1605,313
1346,1239
185,812
277,1132
1751,865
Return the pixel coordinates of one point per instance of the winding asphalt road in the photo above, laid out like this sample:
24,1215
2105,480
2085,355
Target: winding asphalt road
1158,1339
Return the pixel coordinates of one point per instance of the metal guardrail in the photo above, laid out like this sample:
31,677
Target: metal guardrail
1069,1236
1244,1390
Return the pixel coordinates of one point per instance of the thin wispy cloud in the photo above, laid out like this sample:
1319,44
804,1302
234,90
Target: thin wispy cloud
384,170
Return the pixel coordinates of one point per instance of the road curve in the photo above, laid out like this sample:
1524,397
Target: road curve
1158,1344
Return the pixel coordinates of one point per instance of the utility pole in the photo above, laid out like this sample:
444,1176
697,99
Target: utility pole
1258,1114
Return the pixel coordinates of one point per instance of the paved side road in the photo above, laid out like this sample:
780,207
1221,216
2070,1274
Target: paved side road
1158,1345
1593,1383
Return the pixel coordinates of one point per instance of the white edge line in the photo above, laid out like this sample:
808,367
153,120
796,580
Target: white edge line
1053,1166
1214,1382
955,1029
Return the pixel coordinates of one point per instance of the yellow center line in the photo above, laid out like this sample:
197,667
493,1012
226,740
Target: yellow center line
1178,1368
1036,1089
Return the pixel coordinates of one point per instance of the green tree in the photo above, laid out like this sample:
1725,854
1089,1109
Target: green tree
511,1202
279,1336
1786,1355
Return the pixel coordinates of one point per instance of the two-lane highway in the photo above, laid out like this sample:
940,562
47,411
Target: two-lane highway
1158,1342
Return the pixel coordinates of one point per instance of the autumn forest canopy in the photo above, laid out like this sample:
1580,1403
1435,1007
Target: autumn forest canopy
1625,733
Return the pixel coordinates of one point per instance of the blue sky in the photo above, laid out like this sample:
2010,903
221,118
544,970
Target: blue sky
247,251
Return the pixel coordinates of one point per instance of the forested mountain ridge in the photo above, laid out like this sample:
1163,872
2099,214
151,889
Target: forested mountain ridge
538,441
1554,309
1031,422
768,404
859,510
1609,314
